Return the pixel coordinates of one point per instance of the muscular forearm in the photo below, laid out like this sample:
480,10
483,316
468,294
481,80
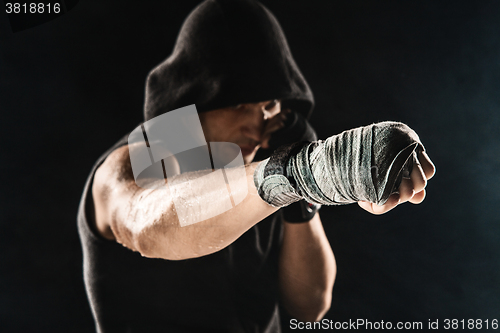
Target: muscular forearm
307,270
151,225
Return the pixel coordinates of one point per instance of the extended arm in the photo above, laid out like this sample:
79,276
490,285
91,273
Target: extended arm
145,220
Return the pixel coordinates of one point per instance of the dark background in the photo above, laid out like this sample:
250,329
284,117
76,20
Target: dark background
73,86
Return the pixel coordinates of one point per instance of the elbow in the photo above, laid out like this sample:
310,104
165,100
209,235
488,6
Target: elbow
140,238
322,307
162,237
315,311
160,242
313,305
145,245
158,247
152,243
150,232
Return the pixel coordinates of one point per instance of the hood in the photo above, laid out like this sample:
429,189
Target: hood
228,52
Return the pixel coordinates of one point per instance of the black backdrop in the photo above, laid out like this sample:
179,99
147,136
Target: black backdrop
71,87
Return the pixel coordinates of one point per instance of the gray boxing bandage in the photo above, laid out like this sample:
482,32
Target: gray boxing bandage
362,164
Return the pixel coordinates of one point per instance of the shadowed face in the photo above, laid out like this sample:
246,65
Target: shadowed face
248,125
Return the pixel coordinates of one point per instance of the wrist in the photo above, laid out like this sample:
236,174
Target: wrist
274,183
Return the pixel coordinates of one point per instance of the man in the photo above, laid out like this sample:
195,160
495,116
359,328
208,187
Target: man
225,273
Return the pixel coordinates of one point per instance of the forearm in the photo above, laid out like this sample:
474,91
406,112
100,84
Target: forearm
151,223
307,270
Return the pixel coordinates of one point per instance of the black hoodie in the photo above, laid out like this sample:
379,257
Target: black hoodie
228,52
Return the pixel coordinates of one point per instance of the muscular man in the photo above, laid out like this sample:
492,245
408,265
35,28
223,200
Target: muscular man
144,272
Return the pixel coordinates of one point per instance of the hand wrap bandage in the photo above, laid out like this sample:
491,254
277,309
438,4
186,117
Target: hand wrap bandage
362,164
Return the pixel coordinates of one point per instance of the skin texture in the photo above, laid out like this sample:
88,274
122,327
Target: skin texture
145,220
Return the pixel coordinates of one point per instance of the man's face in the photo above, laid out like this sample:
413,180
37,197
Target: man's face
247,125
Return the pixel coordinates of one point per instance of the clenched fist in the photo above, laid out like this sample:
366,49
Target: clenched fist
378,166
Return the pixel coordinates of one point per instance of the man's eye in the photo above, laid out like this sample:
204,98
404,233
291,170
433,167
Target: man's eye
272,104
